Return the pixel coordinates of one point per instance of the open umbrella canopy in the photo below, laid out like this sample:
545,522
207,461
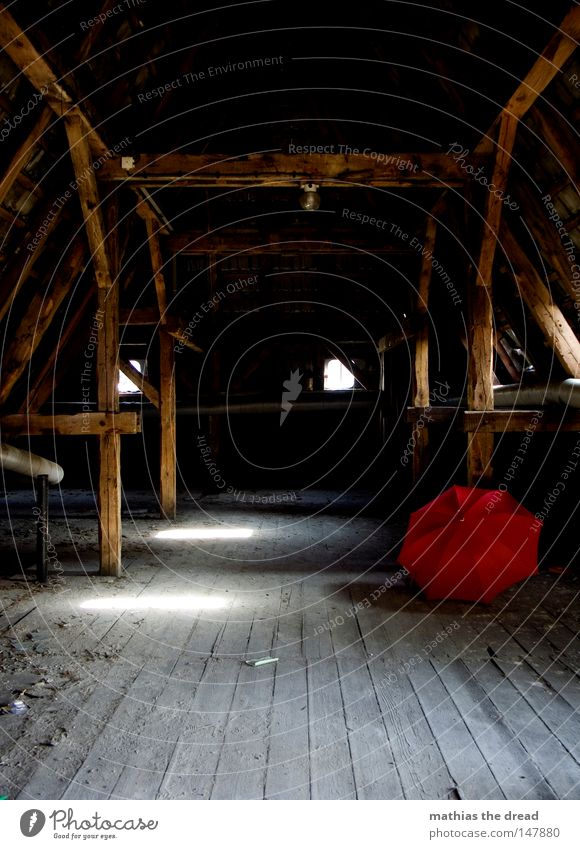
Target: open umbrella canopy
470,544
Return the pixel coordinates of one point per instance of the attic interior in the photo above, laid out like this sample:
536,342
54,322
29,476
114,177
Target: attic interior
272,279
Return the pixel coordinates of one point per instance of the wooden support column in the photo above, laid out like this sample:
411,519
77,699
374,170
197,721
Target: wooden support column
481,331
214,423
103,249
108,400
480,380
421,360
168,473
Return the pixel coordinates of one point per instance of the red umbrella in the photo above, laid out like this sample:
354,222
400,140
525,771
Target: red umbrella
470,544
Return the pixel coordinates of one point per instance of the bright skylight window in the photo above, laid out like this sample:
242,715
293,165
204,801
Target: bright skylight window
336,376
125,384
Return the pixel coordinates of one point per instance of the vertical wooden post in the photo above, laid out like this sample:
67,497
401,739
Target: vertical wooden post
108,400
481,331
214,422
480,380
421,361
104,253
168,461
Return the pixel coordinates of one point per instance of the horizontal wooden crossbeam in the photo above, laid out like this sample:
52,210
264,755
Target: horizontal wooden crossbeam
497,421
251,241
432,170
78,424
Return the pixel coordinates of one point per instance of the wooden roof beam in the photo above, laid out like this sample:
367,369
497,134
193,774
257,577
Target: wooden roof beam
548,315
37,70
38,318
558,50
495,200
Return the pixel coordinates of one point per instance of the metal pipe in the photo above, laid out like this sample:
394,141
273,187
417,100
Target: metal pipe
15,460
308,402
565,392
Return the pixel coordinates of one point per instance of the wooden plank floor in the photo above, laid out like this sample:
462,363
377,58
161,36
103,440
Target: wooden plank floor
138,689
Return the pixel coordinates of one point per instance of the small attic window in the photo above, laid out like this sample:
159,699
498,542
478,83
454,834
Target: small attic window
126,386
337,376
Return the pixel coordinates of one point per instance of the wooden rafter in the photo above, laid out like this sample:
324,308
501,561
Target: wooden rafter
563,144
546,312
26,259
545,68
37,70
495,200
547,238
38,318
22,153
47,378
